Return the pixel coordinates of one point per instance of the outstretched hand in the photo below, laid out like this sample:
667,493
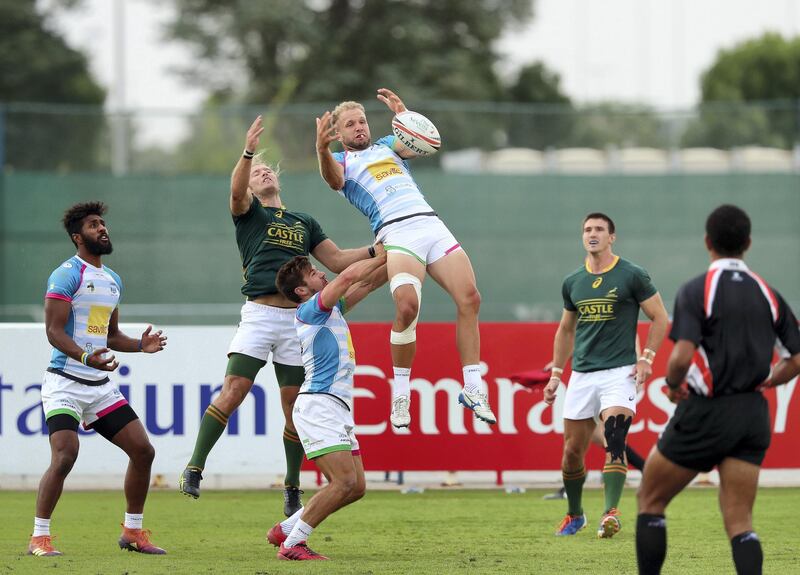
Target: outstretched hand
254,134
325,132
392,100
153,342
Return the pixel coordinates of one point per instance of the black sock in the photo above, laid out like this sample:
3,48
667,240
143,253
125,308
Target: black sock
651,543
634,458
747,553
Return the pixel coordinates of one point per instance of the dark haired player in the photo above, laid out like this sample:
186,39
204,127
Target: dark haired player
82,323
725,327
602,300
323,412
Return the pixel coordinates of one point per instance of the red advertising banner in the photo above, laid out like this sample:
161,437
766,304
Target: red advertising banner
528,435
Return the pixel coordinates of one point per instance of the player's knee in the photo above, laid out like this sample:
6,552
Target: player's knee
234,390
345,485
616,434
406,311
573,453
144,454
359,489
63,460
469,302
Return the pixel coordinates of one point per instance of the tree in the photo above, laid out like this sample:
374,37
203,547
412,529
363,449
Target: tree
345,49
37,66
750,95
545,117
623,125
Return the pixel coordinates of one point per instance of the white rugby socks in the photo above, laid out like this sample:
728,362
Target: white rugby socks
301,532
134,520
401,384
288,524
41,527
472,378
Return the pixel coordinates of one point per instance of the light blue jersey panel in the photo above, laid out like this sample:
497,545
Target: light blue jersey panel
93,294
378,183
327,349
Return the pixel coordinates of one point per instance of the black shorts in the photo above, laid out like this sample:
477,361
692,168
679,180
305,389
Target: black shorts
705,430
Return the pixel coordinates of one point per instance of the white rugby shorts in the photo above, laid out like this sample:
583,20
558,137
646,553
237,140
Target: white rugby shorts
86,403
265,329
424,237
324,425
589,394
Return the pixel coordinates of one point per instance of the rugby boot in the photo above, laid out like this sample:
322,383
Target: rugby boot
42,546
189,483
571,524
291,500
400,416
609,524
138,540
276,536
479,404
560,494
299,552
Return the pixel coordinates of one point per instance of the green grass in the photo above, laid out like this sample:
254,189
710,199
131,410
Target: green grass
437,532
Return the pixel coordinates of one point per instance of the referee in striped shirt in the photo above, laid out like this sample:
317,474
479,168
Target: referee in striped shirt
725,326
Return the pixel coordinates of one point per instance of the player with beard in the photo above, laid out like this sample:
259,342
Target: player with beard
376,179
82,323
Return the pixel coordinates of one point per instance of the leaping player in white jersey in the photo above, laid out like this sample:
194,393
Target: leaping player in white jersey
376,179
81,319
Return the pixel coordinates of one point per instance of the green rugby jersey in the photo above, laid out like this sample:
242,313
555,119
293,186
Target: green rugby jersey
267,239
607,306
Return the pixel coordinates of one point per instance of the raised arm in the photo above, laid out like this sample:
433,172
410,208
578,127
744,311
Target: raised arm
562,350
370,283
337,260
396,105
354,273
240,178
330,170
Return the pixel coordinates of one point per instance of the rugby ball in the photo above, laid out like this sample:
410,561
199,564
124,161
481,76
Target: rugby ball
417,133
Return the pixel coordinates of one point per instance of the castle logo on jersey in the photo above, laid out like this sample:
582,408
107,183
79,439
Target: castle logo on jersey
597,309
99,316
292,237
384,169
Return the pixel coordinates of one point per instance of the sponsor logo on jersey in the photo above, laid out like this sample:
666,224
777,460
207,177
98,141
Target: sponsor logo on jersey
90,286
384,169
596,309
113,288
596,283
292,237
99,316
66,265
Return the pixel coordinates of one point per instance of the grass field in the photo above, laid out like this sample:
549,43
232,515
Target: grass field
440,532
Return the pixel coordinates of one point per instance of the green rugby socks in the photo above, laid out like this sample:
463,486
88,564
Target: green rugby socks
614,475
212,427
573,483
294,457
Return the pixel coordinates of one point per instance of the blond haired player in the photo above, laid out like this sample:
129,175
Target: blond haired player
376,179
